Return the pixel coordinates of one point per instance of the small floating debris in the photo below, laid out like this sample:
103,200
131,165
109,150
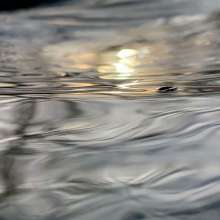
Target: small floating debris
167,89
67,74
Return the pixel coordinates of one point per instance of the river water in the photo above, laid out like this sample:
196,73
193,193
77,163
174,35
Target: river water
110,109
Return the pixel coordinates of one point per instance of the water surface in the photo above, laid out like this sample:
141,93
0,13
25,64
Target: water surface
110,109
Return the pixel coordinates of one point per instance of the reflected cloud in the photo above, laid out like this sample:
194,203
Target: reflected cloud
134,66
137,62
130,59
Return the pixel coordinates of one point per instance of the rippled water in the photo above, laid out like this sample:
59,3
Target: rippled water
110,109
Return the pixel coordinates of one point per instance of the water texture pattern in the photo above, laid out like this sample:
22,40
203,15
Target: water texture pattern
110,109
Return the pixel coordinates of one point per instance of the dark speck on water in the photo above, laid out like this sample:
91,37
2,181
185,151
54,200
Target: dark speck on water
167,89
109,109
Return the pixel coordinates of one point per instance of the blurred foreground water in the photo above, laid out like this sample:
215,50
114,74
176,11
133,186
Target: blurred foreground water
110,109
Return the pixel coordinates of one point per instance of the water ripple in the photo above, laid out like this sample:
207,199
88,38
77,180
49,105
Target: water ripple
110,109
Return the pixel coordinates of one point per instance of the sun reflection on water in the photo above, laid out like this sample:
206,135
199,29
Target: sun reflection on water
128,61
130,67
124,63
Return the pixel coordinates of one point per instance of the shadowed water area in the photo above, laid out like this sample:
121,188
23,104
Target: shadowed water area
110,109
